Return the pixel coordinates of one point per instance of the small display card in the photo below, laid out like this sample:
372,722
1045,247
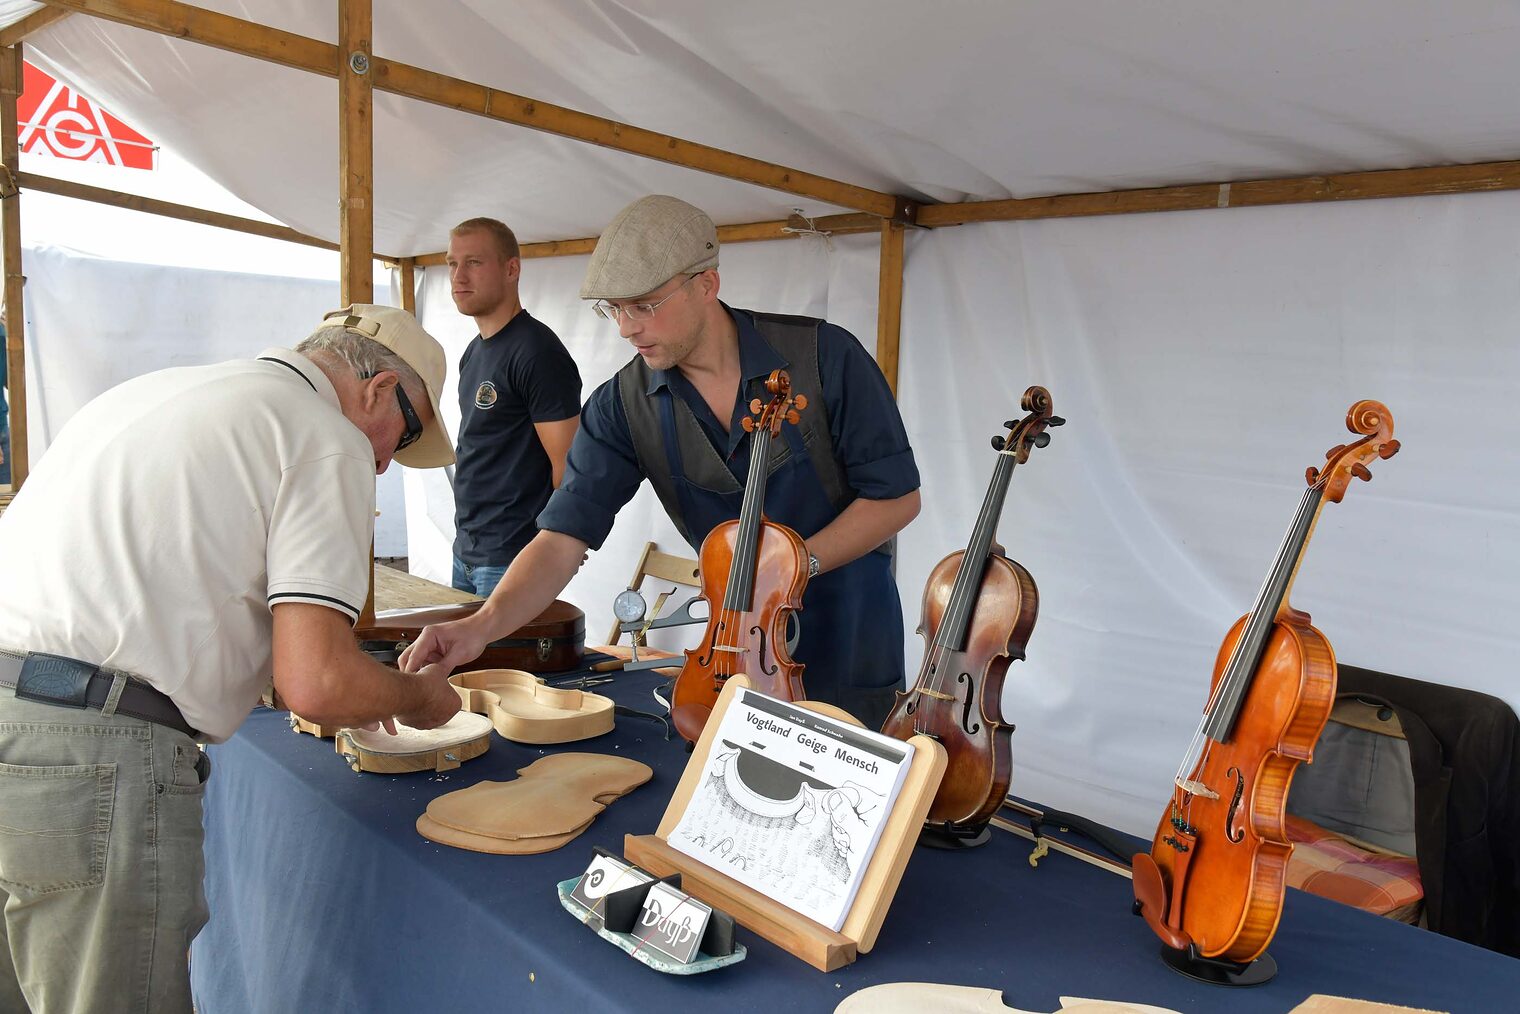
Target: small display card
672,922
604,876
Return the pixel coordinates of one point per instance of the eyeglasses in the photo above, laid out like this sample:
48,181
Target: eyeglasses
413,424
634,311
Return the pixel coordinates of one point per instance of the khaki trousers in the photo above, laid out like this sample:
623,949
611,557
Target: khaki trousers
100,861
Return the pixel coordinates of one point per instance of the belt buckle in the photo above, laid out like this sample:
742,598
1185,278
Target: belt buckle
54,679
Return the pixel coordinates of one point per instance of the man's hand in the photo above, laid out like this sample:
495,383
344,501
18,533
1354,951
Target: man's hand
324,677
442,704
444,647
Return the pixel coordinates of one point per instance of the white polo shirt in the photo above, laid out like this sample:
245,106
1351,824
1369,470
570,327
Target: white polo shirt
173,512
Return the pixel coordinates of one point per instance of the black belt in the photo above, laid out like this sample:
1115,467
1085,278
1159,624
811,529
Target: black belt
69,683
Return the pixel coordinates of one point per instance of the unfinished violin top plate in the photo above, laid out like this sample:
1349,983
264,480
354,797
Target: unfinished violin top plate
524,709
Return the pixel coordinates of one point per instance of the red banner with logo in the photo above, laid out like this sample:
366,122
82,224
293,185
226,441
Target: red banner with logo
54,119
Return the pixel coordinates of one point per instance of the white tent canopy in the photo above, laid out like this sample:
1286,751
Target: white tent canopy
1203,358
964,100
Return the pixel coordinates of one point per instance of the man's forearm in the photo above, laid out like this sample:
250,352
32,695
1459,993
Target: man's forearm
535,578
356,690
860,528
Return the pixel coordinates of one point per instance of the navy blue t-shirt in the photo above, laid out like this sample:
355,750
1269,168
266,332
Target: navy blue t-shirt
519,376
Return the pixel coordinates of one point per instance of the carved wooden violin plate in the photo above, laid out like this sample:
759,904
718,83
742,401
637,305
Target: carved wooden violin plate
461,738
552,801
526,710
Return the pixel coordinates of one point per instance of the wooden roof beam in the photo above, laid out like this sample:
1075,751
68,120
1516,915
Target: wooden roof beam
168,209
31,24
749,232
221,31
1361,186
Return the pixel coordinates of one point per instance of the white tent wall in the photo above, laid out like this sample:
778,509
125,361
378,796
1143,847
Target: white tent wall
1203,360
92,323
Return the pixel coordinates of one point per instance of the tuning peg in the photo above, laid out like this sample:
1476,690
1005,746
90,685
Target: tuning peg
997,443
1042,439
1311,475
1009,424
1388,449
1361,471
1332,452
792,416
1055,420
801,402
754,406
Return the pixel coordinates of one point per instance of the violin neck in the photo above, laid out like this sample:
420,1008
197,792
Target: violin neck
1246,657
968,579
740,594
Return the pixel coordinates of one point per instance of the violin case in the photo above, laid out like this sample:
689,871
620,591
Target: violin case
553,642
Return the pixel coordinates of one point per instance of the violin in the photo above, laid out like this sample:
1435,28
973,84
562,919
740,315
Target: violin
757,569
979,609
1212,883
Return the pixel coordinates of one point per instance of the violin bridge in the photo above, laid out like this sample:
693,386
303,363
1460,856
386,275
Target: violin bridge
1191,787
729,648
935,694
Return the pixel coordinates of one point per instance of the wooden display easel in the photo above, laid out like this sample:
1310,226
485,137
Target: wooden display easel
819,946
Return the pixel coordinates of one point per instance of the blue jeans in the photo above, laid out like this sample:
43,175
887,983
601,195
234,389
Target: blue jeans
477,578
100,861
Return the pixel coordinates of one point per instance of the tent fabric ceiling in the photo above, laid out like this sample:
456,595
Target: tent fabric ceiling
971,100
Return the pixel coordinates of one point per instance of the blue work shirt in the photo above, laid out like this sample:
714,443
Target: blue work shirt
602,472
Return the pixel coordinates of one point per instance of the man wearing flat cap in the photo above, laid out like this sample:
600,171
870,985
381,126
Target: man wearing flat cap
188,534
846,481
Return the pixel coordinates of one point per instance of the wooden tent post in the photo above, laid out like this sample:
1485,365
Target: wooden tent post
356,151
407,269
10,247
889,301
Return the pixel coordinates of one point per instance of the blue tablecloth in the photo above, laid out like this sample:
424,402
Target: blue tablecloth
324,897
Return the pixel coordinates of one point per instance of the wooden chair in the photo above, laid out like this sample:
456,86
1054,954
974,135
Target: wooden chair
679,570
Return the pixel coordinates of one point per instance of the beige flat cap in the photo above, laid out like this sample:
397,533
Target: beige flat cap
650,242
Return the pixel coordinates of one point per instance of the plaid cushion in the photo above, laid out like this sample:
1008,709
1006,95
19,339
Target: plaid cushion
1328,865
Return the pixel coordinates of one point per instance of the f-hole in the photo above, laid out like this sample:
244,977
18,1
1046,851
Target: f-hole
1235,834
712,646
965,678
758,631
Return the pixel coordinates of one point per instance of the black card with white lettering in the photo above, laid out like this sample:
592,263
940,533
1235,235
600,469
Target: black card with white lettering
672,922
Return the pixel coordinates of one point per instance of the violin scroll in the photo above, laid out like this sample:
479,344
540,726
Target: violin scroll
783,405
1343,461
1029,432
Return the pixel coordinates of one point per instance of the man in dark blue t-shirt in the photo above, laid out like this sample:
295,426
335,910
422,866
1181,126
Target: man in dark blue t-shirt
519,405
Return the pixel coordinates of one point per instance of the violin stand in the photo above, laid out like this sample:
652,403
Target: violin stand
1151,904
1216,972
953,839
819,946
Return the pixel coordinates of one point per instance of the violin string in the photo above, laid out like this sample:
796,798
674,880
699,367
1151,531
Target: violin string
1249,632
962,596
